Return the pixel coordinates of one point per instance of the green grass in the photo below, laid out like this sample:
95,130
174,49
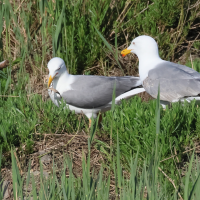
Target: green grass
135,124
144,182
24,116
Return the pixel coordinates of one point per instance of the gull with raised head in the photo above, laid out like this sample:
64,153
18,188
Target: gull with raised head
177,82
85,93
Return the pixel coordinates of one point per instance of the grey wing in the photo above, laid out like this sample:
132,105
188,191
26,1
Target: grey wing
189,70
96,91
176,81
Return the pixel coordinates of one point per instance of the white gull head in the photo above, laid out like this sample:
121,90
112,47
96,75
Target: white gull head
146,48
56,68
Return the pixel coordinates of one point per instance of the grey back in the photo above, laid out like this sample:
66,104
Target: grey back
96,91
176,81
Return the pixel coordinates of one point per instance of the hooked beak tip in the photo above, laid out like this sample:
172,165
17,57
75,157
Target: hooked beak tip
125,52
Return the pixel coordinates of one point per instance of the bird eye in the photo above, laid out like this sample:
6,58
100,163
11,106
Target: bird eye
58,69
133,43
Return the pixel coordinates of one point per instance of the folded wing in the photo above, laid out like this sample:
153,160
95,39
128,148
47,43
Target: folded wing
176,81
95,91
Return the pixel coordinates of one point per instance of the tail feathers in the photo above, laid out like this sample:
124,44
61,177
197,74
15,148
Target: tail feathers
129,94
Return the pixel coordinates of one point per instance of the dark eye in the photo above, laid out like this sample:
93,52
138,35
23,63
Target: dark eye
58,69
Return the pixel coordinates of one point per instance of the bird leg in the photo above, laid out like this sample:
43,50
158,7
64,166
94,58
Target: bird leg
90,123
99,121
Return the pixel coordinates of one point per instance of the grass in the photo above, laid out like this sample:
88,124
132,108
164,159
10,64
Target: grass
145,182
89,35
134,121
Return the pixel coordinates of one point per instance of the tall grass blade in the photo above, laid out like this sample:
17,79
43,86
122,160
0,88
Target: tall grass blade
112,109
28,177
34,191
194,187
92,131
16,177
119,169
113,97
133,178
158,112
103,39
116,48
186,188
59,29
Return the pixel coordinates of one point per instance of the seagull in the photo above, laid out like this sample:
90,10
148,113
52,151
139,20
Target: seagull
88,94
177,82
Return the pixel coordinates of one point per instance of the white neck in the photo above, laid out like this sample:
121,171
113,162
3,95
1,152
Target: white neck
146,63
59,82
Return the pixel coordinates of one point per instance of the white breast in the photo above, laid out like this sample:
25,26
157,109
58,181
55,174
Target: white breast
54,97
146,65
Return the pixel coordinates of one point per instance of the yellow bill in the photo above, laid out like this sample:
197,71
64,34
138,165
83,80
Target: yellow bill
50,80
125,52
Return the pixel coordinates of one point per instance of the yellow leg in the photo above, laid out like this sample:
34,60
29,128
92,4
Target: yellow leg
90,123
100,119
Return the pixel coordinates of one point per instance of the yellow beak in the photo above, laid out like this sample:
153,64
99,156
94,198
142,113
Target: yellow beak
125,52
50,80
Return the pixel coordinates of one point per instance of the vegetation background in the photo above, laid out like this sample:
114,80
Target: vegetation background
89,36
